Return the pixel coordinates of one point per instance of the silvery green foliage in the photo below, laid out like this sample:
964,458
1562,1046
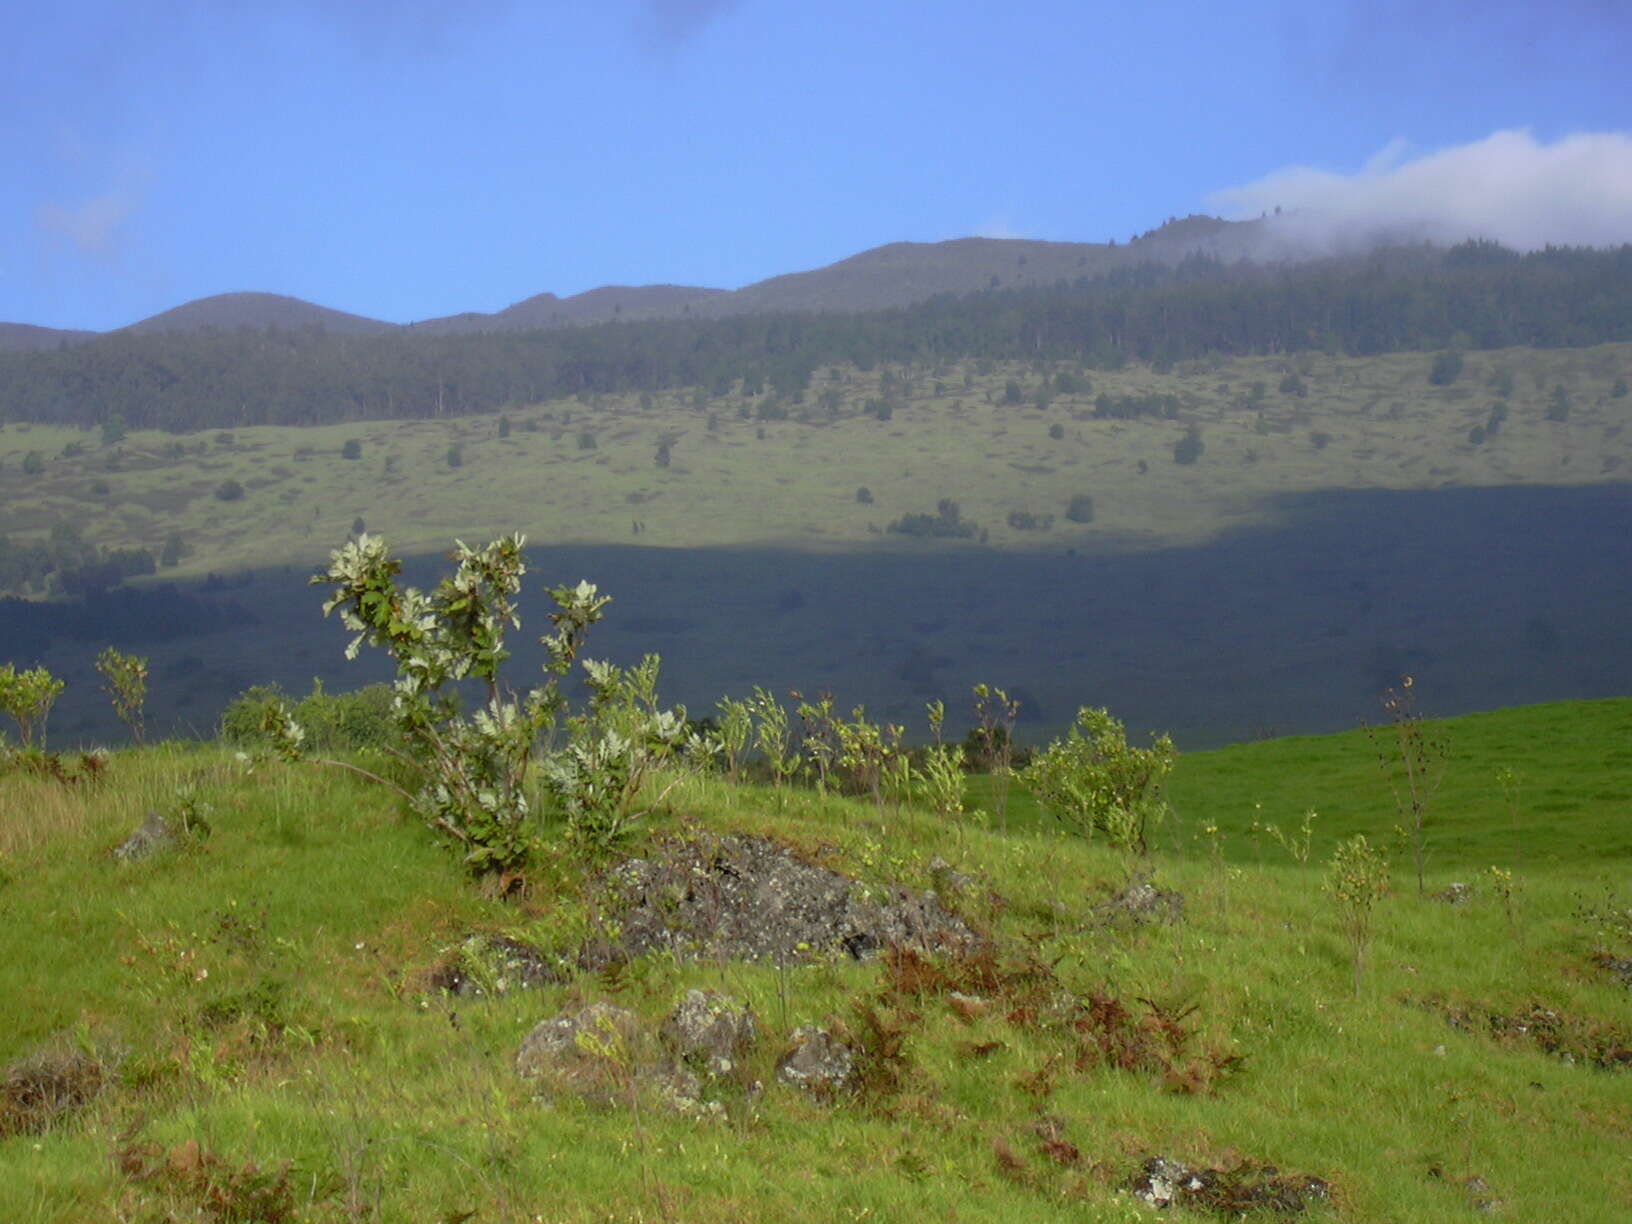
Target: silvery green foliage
27,696
612,749
1093,780
474,767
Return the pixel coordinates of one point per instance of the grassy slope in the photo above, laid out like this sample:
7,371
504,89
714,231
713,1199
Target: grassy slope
793,482
266,992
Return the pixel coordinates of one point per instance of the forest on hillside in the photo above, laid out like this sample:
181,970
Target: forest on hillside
1477,295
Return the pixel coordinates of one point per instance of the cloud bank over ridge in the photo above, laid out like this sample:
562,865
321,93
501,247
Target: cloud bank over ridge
1510,187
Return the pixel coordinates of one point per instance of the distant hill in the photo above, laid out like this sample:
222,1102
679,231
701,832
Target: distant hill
21,337
898,274
232,311
603,305
1172,295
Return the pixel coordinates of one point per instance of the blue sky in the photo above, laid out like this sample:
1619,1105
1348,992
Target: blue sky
411,159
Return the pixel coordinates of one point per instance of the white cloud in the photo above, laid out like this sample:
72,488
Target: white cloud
93,228
1508,187
998,226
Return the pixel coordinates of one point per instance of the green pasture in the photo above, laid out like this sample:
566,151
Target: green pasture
264,994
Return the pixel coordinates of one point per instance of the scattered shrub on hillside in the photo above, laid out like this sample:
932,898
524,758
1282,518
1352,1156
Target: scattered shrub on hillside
33,463
229,491
947,523
1056,431
1558,407
1320,440
1447,368
456,455
1094,781
353,449
1188,448
1618,391
1081,508
1291,384
1024,520
1132,407
864,496
586,439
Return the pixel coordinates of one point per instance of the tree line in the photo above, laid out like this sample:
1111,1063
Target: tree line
1478,295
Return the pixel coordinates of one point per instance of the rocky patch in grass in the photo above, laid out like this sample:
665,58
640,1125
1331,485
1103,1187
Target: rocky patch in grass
1571,1039
751,898
1140,903
1163,1182
1618,967
484,964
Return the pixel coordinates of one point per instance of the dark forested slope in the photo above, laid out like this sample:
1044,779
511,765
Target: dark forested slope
1477,295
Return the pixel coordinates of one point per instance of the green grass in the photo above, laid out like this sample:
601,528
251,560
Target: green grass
262,993
741,481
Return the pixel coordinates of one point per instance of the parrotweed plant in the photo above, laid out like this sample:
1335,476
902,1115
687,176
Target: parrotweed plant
27,696
1356,880
736,726
473,770
1094,781
942,773
1295,844
612,750
993,740
124,677
773,738
1413,758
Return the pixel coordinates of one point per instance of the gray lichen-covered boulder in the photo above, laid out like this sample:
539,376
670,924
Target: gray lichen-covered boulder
817,1062
751,898
154,836
588,1052
709,1032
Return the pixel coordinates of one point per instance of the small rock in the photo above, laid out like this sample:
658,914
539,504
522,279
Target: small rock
818,1062
153,837
553,1045
946,878
1456,894
709,1032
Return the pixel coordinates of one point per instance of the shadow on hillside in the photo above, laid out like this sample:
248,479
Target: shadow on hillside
1489,596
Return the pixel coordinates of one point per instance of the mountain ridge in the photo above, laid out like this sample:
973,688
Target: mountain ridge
893,274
